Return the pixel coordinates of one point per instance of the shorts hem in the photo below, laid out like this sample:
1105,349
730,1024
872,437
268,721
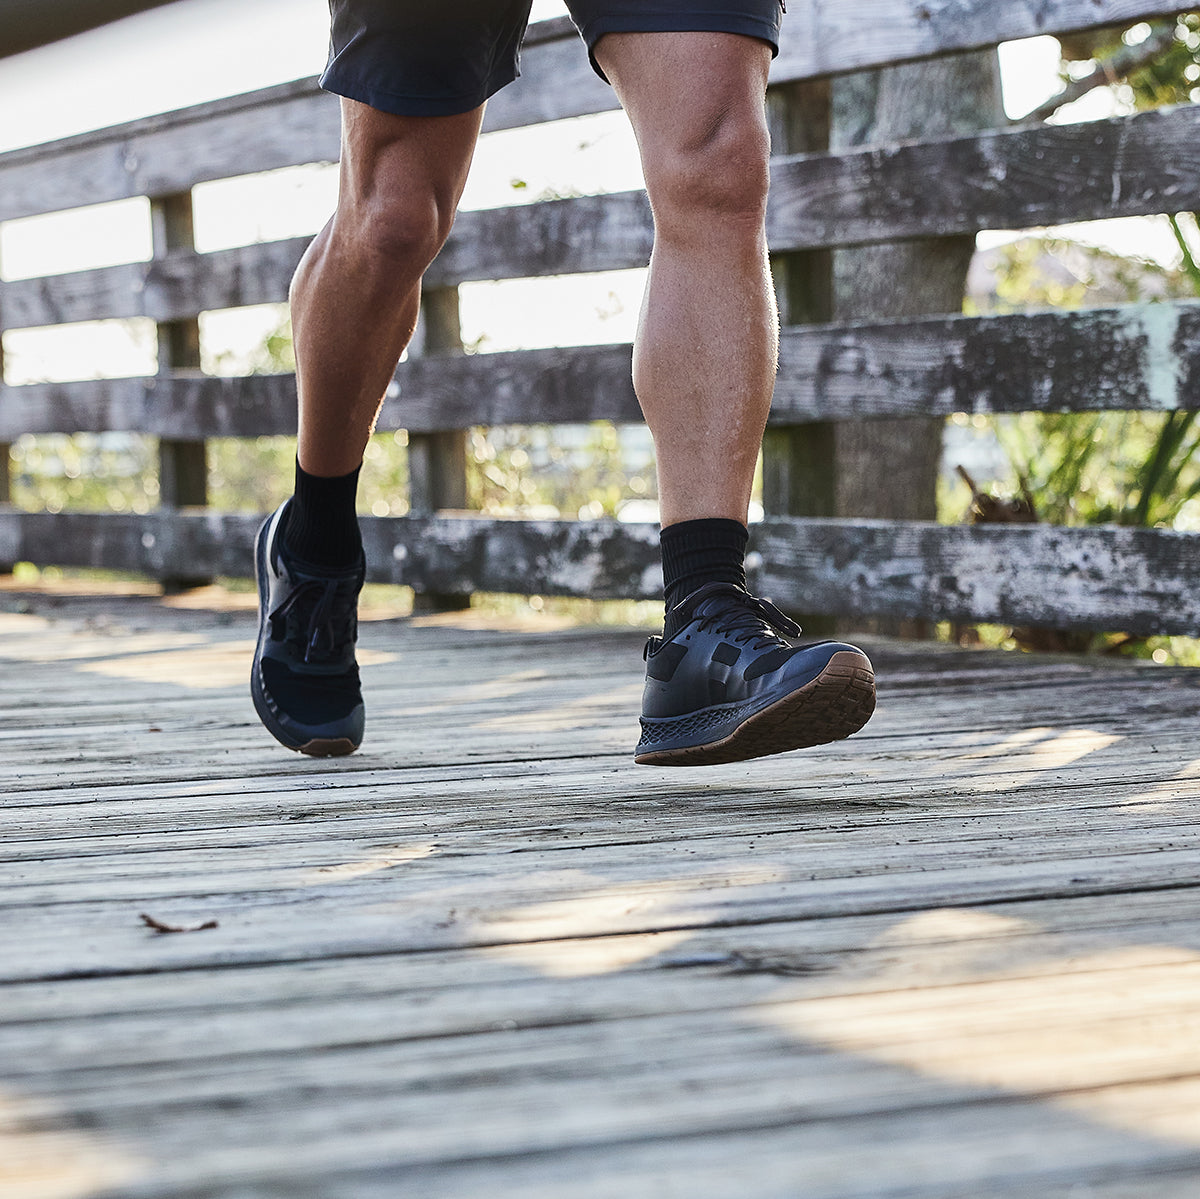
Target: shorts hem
412,106
668,22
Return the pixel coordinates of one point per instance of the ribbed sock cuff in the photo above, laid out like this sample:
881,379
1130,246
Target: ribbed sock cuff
695,552
322,525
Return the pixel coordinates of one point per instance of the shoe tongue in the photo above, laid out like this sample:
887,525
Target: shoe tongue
742,612
690,607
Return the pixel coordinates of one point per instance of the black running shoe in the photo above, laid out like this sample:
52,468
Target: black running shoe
305,678
727,686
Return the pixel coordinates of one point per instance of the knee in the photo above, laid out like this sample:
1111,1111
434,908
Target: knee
718,171
401,233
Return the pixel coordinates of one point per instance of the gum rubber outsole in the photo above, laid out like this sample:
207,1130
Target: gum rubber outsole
836,704
327,747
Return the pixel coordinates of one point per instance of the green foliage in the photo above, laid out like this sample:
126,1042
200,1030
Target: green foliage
567,470
1172,76
1127,468
94,472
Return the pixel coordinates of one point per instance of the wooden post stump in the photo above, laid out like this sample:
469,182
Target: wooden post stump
800,461
182,464
437,462
885,469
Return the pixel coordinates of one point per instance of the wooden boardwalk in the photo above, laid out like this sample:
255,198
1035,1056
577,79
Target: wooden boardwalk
958,955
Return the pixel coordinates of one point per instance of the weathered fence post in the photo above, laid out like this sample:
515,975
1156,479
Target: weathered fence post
5,463
182,465
889,468
437,462
799,461
879,468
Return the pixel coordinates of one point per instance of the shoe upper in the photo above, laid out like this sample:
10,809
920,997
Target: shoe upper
307,642
728,647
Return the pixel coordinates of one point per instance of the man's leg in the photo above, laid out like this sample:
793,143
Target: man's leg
723,684
356,293
704,360
355,300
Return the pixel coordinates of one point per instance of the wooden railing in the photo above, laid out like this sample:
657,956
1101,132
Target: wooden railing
1140,357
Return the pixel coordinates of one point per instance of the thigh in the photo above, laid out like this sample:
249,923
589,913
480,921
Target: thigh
420,59
759,19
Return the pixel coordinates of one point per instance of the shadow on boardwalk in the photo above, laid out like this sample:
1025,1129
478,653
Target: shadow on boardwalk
957,955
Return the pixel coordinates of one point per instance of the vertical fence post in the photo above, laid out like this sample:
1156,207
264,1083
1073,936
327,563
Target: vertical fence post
182,464
799,461
946,97
5,458
437,462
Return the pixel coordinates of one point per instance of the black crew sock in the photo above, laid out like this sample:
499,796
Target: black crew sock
695,552
322,526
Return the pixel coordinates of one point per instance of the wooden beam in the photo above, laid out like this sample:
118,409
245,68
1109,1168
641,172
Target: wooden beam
1143,581
1143,357
1140,581
828,37
182,462
1011,179
297,123
437,459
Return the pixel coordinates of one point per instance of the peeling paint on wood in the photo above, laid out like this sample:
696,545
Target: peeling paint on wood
1141,581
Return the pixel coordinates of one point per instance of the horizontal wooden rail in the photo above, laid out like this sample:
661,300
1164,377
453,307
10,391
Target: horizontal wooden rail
296,123
1143,357
1136,580
1013,179
830,37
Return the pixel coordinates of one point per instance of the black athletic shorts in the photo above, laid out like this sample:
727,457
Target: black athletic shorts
437,58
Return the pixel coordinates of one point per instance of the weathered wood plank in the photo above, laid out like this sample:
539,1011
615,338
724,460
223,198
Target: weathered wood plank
825,37
857,945
1138,580
180,405
1139,357
518,387
1107,577
1134,358
1135,580
1012,179
296,123
174,287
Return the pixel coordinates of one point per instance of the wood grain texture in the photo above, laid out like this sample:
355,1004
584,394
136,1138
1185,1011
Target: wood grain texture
296,123
1137,580
1132,358
1013,179
955,955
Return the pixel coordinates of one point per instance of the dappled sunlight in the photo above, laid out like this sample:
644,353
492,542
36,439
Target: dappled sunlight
1029,752
597,955
387,859
1109,1035
204,668
1170,790
505,686
100,642
568,937
573,714
53,1163
598,931
1053,753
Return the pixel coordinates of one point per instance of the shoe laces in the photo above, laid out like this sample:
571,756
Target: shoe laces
743,618
333,608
